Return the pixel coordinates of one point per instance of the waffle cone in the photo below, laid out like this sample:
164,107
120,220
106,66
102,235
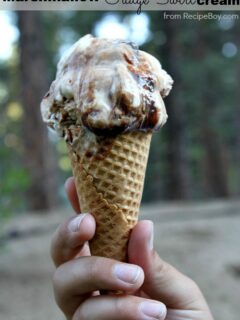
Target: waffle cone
109,185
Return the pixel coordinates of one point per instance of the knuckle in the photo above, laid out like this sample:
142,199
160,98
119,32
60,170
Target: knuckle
57,236
56,277
81,313
95,267
120,308
191,285
56,281
100,272
58,286
127,308
53,243
60,243
163,267
193,294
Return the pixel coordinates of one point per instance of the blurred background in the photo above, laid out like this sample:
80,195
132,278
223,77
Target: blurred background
192,186
195,156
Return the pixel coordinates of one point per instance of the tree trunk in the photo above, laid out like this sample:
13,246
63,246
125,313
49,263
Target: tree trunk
237,116
214,162
178,184
38,155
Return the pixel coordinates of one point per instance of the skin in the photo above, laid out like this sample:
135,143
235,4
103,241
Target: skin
153,288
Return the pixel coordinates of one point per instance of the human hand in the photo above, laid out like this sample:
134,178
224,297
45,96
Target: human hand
154,289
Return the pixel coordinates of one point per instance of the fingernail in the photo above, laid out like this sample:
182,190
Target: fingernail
152,310
74,224
151,239
127,273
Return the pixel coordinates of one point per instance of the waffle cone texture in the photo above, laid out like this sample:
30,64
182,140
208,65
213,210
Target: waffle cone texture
109,184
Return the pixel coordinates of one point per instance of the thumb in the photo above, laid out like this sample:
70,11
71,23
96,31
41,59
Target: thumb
162,281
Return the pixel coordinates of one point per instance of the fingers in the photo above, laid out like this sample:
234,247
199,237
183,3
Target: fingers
162,281
70,237
77,278
119,308
72,194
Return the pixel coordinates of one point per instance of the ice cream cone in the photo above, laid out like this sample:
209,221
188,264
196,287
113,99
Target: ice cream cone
109,184
106,101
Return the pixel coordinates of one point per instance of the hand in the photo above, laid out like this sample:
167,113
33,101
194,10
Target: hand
154,289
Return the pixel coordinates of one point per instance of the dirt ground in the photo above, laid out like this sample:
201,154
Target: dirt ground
201,239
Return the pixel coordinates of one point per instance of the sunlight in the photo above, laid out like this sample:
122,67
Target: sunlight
9,34
110,27
229,49
14,111
134,28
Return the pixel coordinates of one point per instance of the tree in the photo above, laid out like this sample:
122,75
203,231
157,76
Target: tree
38,155
178,170
214,164
236,111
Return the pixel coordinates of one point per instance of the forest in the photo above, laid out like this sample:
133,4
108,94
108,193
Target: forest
194,157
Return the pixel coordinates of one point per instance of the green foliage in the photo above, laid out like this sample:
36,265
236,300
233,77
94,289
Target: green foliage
12,186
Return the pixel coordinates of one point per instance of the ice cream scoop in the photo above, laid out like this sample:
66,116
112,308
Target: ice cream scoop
107,86
106,101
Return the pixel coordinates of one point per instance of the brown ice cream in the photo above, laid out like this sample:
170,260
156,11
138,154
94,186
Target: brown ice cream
107,86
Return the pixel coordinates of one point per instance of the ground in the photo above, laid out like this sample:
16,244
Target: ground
201,239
